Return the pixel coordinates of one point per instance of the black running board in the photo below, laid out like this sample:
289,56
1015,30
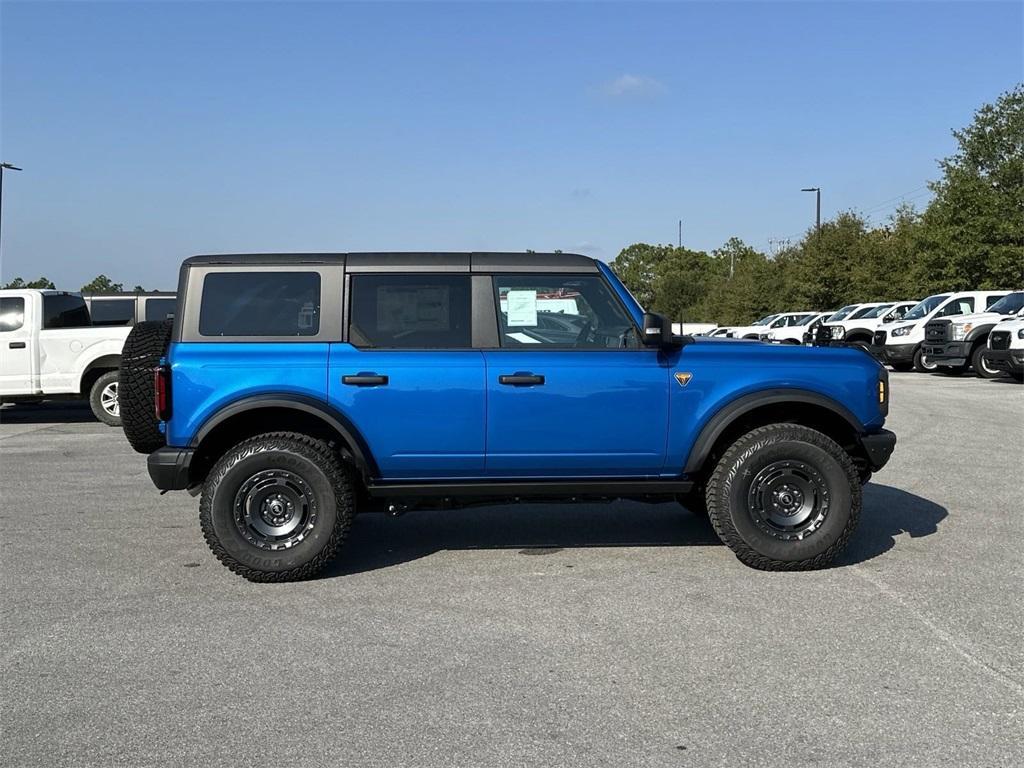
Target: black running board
526,488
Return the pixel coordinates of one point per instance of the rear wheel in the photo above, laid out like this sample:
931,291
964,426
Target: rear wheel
143,348
104,401
982,366
784,497
921,363
276,507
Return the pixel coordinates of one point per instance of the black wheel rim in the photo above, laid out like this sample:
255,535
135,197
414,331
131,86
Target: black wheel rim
275,509
788,500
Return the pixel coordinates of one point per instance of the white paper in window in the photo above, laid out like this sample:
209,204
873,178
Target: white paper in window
522,309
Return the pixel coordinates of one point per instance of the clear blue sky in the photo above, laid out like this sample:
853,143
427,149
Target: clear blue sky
150,132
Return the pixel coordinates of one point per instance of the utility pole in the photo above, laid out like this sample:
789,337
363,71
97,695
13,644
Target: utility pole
680,233
817,217
4,167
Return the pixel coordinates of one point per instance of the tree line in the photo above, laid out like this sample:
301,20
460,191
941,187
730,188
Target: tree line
970,236
99,284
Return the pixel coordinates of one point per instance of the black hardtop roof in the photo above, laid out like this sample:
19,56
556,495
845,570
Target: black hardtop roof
395,261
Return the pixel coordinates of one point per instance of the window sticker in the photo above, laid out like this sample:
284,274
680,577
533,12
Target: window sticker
522,338
522,309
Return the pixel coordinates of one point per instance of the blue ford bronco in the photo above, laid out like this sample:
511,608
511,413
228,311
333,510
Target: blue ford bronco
292,391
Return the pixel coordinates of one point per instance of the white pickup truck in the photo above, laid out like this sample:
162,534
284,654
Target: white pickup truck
49,349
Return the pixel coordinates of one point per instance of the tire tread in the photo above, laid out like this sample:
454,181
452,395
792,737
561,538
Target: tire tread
724,474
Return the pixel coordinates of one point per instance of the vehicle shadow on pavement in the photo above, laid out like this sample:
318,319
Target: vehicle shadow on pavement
47,413
887,513
379,541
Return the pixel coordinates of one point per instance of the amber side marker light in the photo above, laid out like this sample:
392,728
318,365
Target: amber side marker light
881,391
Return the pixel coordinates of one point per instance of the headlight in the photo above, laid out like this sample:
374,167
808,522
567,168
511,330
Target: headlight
1020,333
960,331
838,331
903,330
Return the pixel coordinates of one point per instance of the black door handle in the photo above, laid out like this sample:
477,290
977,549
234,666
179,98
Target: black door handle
17,345
520,379
365,380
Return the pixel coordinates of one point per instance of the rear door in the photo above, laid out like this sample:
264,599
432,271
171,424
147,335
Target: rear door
18,344
570,391
407,376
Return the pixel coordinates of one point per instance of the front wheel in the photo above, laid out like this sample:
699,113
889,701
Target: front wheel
982,366
784,498
104,401
277,506
921,362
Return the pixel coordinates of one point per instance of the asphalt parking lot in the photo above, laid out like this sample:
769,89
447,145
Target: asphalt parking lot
539,635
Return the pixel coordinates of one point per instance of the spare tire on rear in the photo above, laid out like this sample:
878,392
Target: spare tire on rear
143,348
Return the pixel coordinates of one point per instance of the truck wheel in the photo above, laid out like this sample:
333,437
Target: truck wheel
142,351
981,365
104,401
921,363
784,498
276,507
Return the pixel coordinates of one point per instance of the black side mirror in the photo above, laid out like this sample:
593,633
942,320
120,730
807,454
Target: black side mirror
657,330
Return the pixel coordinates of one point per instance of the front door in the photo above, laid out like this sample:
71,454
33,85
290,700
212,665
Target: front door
570,391
408,378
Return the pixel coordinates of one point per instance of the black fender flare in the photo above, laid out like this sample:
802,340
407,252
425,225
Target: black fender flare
979,333
735,409
361,454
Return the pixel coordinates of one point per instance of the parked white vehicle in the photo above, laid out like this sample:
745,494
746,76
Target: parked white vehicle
1004,349
860,326
902,345
827,332
49,349
796,333
766,324
955,345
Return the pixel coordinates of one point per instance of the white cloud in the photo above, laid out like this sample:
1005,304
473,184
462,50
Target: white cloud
632,86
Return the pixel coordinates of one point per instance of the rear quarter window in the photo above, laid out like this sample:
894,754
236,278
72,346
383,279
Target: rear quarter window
160,309
260,304
112,311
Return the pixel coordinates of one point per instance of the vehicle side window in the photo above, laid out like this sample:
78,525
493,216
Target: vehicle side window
419,311
992,300
899,312
112,311
264,304
12,313
957,307
563,311
160,309
61,310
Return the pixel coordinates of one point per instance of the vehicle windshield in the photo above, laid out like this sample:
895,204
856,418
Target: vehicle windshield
876,312
802,319
765,320
841,313
925,307
1010,304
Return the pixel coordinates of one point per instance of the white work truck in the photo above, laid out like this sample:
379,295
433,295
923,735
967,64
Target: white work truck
50,350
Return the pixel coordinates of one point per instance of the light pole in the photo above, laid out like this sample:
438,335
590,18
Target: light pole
817,216
4,167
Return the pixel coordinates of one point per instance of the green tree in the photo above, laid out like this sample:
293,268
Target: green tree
973,230
636,266
40,282
102,284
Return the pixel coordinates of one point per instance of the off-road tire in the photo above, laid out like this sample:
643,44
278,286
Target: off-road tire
96,398
142,351
920,363
980,365
730,485
333,494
